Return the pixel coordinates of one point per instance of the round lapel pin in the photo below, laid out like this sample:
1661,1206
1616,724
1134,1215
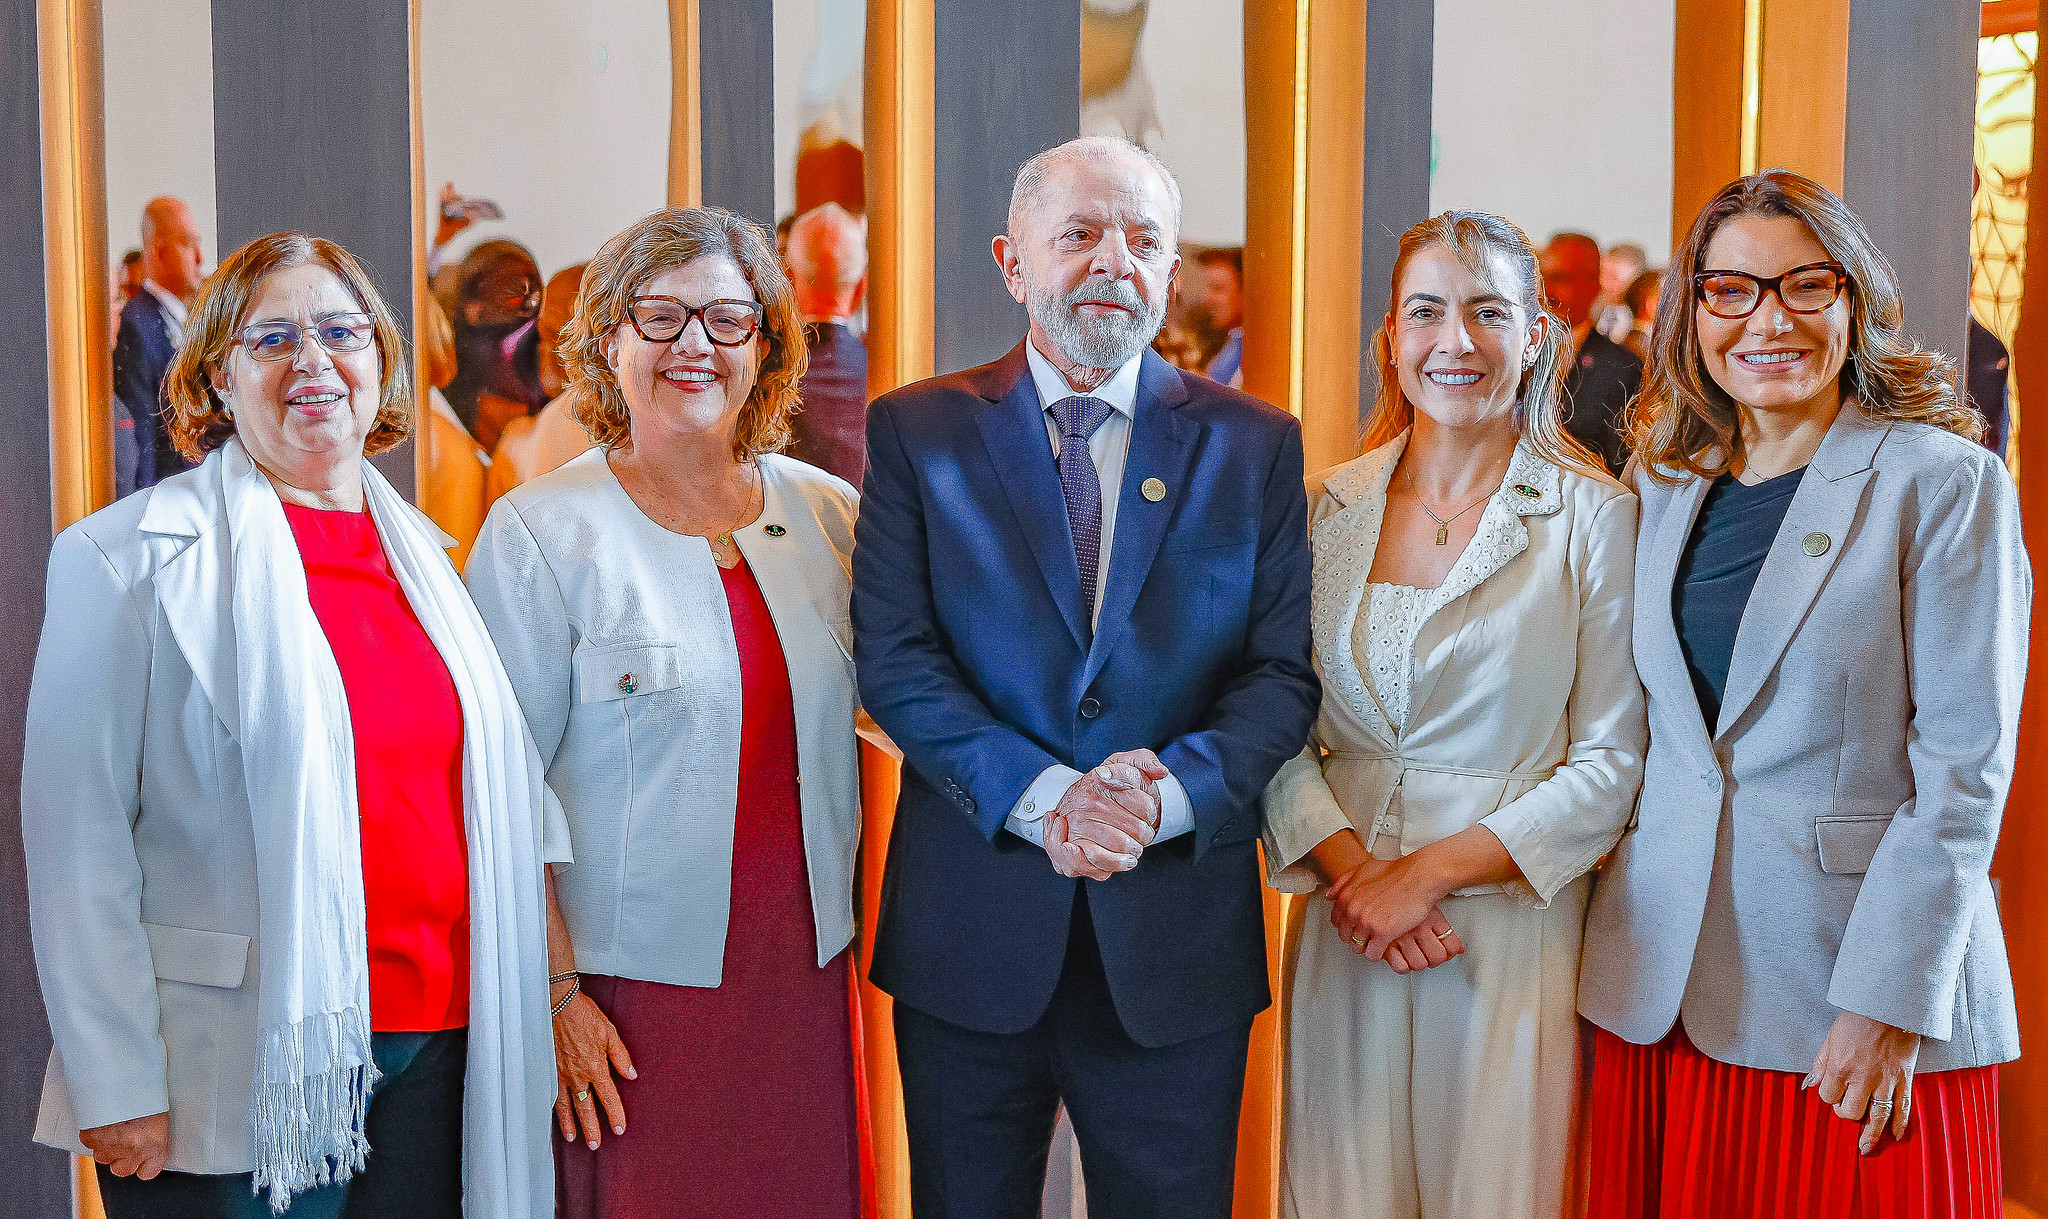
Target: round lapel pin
1152,489
1816,544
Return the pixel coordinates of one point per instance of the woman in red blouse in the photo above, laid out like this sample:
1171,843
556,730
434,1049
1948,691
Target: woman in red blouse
285,846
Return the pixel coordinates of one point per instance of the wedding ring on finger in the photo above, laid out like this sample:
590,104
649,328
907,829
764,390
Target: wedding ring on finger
1880,1107
1445,934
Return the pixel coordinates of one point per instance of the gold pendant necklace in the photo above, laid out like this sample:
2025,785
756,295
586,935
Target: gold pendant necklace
1443,524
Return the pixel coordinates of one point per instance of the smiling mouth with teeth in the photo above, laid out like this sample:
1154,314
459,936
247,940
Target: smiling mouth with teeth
690,374
1769,358
320,399
1454,378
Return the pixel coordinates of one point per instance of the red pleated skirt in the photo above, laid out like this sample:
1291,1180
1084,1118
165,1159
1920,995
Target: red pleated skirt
1673,1134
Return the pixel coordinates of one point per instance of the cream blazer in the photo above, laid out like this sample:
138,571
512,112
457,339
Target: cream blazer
617,638
1525,714
1826,846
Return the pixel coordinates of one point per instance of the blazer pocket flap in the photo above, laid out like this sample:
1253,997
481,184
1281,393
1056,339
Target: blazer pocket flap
620,670
203,958
1848,844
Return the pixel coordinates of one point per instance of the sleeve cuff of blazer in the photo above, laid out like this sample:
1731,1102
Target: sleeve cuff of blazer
1300,814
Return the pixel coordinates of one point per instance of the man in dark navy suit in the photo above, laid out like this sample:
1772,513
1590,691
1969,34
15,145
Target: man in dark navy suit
1081,607
151,330
1605,376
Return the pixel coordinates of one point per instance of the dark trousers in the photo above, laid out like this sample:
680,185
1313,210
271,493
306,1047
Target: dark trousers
1157,1127
415,1166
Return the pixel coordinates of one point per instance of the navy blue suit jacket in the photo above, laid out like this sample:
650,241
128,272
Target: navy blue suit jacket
142,355
974,653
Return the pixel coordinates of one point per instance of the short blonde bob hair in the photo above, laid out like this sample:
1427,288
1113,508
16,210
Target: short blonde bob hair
199,420
1539,407
1685,423
670,238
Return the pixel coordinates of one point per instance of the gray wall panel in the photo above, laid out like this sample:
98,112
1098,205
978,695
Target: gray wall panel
313,131
34,1181
1911,118
736,56
1400,68
1008,83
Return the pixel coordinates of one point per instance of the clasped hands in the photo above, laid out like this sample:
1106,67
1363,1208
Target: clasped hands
1389,909
1107,817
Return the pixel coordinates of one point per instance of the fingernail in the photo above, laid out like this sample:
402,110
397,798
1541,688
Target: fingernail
632,1074
618,1130
592,1144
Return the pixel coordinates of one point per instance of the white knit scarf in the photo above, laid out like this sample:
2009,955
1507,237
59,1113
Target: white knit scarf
314,1071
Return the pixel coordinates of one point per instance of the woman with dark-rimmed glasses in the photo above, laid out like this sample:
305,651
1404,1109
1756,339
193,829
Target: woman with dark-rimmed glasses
1793,955
672,607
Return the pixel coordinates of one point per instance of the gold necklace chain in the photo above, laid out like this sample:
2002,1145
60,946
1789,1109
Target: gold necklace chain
1443,524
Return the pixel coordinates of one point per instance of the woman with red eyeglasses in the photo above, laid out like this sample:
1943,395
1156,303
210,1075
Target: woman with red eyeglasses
672,609
1793,956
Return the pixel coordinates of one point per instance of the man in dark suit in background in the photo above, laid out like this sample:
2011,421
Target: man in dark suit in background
1989,366
151,330
1080,606
1605,375
828,266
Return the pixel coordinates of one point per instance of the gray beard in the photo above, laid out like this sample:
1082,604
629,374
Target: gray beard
1095,342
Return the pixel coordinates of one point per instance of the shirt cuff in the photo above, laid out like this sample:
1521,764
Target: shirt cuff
1176,814
1027,819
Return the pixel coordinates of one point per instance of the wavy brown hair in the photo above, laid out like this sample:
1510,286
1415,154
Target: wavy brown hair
199,421
662,241
1539,403
1684,423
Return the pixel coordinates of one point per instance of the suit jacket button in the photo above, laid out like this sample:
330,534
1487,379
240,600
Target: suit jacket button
1090,708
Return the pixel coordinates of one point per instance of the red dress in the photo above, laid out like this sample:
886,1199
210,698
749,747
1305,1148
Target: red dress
745,1101
1674,1134
407,724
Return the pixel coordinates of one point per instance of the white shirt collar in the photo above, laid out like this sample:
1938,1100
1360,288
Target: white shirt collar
173,307
1120,391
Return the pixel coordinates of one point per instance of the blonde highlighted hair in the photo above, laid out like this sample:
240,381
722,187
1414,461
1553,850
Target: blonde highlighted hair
1686,424
198,420
1475,237
670,238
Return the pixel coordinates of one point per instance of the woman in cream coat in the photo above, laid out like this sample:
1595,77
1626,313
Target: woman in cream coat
1479,747
672,607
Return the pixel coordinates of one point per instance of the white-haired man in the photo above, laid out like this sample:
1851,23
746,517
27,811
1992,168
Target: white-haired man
1080,605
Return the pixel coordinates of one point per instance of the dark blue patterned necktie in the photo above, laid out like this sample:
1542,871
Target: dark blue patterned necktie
1081,484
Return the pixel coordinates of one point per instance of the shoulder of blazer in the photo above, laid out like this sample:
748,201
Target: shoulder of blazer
1928,453
123,530
832,501
568,486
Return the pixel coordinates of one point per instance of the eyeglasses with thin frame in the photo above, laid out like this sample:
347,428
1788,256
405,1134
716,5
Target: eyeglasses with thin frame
1735,295
662,319
339,333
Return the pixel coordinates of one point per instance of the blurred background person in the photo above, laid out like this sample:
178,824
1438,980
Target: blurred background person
531,445
282,820
828,270
492,298
1641,301
1619,267
1794,956
1222,274
1604,375
151,329
128,279
672,608
1989,367
457,469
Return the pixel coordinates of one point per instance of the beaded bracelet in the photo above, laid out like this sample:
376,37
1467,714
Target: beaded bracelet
574,987
564,976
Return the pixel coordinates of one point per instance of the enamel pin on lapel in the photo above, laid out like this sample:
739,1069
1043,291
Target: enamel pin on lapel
1816,544
1152,489
774,531
1527,492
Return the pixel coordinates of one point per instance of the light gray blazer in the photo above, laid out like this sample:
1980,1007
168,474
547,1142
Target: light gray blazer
1825,847
617,638
135,819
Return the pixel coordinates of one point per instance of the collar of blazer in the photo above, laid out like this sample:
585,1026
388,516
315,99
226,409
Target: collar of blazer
194,587
1162,446
1826,503
1346,541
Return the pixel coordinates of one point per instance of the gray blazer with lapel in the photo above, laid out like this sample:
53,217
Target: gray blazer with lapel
1826,846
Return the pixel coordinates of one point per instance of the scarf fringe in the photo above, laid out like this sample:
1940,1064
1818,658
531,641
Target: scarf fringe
311,1122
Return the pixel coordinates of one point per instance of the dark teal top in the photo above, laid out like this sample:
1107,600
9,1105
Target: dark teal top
1718,571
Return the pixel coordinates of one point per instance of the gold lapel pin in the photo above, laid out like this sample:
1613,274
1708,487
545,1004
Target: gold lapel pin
1527,492
774,531
1152,489
1816,544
